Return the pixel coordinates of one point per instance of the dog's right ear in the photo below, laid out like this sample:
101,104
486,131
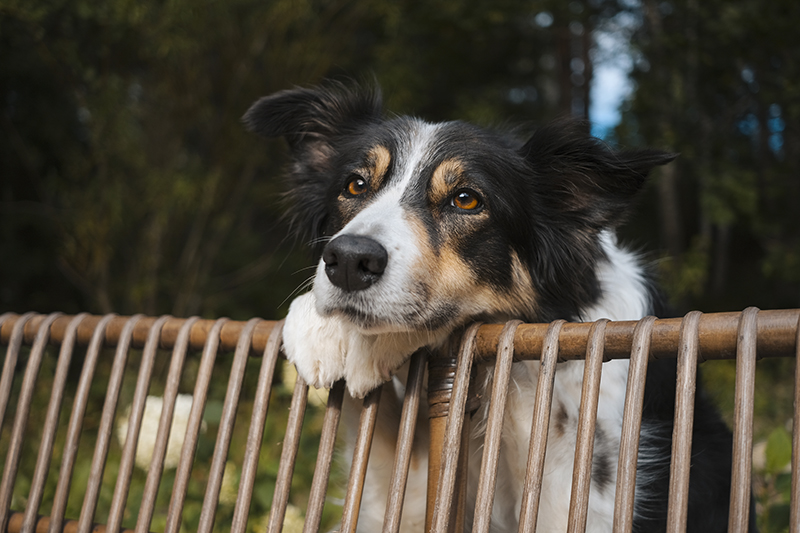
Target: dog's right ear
313,117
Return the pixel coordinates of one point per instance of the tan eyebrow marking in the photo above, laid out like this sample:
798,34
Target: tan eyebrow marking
446,174
378,159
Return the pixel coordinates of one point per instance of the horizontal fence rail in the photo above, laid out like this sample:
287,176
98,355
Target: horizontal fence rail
231,368
718,335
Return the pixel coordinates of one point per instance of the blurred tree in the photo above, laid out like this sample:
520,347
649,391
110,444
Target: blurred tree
128,182
127,174
730,206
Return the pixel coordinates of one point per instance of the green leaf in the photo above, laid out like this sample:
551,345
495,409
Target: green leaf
779,450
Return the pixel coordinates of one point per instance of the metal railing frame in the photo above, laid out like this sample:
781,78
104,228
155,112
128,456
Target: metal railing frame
745,337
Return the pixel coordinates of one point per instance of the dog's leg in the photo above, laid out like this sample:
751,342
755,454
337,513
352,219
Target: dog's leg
373,359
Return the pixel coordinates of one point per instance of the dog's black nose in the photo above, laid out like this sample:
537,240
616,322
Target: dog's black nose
353,262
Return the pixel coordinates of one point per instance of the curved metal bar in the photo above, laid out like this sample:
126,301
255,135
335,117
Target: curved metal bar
631,427
21,419
255,434
494,429
453,433
226,423
743,421
10,363
134,426
291,443
75,425
204,374
50,425
682,430
319,485
590,393
105,429
358,472
405,443
150,492
532,489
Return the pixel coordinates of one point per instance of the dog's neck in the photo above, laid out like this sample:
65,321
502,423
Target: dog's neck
624,288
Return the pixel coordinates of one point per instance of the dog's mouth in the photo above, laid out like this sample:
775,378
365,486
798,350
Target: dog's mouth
439,318
382,309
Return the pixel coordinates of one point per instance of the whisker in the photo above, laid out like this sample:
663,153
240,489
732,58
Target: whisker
300,270
307,284
319,240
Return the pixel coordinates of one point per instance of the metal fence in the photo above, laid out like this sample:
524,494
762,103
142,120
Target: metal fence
255,344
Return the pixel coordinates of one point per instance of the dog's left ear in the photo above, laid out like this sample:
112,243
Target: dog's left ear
579,176
307,116
313,121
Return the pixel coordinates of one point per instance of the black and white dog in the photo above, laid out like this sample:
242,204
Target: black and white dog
422,228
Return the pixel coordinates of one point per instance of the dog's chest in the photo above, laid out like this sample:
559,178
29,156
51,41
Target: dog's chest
561,443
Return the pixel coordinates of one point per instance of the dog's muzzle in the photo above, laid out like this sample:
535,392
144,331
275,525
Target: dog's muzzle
354,262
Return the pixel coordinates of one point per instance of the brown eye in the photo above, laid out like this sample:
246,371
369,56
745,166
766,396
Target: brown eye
467,200
357,185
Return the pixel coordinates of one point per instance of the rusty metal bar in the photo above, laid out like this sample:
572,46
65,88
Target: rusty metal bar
228,337
43,524
319,485
291,442
452,437
631,427
14,340
743,422
126,464
358,470
56,522
6,316
680,463
457,521
155,472
199,396
794,507
405,443
254,435
106,426
590,393
21,419
532,489
225,432
50,426
718,335
494,428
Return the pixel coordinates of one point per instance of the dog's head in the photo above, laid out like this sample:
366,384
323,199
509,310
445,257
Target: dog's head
423,226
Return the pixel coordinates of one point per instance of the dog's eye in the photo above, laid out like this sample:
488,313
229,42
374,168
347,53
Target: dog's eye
356,185
466,199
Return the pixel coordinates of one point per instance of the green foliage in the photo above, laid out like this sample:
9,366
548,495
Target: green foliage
779,450
716,83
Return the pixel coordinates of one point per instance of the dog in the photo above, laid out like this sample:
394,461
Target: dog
421,228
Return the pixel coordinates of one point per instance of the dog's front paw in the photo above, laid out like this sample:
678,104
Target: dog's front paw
364,371
373,359
315,344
